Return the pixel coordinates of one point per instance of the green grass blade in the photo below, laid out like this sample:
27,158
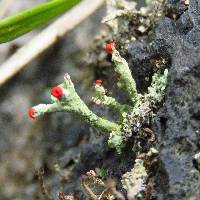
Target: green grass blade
25,21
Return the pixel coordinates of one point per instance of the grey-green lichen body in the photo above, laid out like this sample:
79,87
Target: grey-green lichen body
157,88
134,182
72,103
126,80
130,117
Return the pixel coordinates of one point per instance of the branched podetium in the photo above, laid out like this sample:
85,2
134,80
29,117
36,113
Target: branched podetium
65,99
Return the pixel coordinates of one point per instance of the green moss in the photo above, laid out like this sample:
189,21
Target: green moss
101,172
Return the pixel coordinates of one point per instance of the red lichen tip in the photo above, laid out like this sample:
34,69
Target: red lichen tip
98,82
57,92
110,47
31,113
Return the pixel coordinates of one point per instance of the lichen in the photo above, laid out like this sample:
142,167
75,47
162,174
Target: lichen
123,17
134,182
126,81
130,117
71,102
157,88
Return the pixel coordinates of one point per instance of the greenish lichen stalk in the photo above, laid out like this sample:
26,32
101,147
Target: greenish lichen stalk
126,80
102,99
71,102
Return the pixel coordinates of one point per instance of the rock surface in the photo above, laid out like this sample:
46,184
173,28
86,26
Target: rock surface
177,124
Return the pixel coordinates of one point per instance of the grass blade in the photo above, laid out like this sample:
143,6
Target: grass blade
25,21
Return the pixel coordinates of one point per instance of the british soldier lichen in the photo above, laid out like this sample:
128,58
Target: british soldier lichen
130,117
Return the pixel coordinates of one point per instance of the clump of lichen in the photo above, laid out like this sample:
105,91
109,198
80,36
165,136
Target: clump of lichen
124,23
130,117
124,16
134,182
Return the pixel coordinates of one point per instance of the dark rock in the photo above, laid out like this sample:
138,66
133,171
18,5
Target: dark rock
177,124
